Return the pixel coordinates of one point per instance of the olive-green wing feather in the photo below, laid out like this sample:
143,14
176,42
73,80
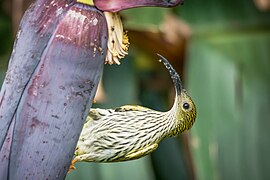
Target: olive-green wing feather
131,108
96,113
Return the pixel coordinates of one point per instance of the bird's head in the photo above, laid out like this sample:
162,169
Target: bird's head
184,109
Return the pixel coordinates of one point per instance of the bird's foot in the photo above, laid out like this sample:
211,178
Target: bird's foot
72,167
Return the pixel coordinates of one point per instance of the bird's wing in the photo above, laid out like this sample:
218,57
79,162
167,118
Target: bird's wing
97,113
140,153
131,108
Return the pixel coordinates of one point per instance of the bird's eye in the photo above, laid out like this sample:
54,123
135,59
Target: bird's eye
186,106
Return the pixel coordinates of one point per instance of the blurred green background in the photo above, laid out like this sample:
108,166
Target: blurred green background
222,51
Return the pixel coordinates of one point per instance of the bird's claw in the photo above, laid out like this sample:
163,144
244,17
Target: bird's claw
72,167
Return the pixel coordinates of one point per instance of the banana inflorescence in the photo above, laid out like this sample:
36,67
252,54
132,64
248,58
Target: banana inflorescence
130,132
52,76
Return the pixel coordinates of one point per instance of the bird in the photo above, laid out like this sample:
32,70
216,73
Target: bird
131,131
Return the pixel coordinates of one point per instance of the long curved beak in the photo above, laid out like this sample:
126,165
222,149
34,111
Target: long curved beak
174,75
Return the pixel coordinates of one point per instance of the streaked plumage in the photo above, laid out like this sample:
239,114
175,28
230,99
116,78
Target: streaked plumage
130,132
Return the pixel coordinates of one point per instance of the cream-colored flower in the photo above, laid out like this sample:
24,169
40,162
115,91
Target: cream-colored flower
117,39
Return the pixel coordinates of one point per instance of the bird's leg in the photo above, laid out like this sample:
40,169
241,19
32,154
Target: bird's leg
80,158
72,167
142,152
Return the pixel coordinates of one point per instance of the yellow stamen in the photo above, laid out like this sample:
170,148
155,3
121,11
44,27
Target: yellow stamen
117,41
88,2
